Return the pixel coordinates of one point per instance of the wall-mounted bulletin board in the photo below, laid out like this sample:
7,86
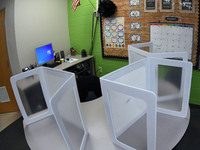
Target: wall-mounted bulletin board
131,23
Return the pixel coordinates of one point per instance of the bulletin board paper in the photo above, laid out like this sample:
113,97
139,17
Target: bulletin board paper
114,32
140,25
172,38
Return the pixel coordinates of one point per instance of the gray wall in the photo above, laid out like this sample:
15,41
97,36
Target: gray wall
40,22
8,5
33,23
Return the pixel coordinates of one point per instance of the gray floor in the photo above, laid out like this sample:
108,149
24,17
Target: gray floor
12,138
191,139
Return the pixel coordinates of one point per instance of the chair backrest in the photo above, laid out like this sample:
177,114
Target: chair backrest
86,85
135,53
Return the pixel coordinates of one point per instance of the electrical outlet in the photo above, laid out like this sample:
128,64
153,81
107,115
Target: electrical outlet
100,69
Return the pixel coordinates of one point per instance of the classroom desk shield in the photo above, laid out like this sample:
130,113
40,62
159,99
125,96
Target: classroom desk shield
45,92
135,93
136,53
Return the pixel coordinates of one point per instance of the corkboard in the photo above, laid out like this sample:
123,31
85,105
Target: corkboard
123,10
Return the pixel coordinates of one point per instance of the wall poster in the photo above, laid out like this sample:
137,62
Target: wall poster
114,32
166,5
150,5
135,37
134,3
135,14
135,26
187,6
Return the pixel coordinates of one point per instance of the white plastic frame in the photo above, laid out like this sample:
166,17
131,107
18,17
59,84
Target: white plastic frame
69,84
184,89
108,83
135,53
54,83
121,81
40,115
50,80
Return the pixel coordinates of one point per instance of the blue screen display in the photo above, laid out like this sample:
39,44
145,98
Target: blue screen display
44,54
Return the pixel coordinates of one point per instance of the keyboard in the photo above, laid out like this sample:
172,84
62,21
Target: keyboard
53,64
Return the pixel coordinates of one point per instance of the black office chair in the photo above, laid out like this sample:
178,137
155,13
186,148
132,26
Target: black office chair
89,88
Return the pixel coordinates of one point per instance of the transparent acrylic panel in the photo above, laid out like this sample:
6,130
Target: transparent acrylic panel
31,94
54,80
69,113
169,87
134,56
136,135
136,78
169,80
125,110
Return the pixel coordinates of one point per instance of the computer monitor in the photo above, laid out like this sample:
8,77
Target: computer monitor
44,54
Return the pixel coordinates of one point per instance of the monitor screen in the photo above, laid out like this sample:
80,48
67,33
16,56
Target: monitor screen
44,54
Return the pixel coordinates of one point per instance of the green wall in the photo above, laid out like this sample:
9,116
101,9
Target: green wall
195,88
80,28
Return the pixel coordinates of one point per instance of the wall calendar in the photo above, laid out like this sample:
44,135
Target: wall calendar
172,38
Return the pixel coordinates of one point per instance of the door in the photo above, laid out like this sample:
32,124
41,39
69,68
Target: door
7,98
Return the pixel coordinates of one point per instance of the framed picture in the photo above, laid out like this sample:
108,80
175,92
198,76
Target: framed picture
187,6
135,26
166,5
135,14
134,3
150,5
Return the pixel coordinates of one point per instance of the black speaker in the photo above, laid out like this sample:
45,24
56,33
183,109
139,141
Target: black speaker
62,54
84,53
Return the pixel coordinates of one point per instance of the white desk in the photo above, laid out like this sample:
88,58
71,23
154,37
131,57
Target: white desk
81,60
44,135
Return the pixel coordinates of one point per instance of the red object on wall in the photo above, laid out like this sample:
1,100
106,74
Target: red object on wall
75,4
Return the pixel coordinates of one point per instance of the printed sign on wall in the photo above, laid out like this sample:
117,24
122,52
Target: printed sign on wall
134,2
135,37
135,26
114,32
